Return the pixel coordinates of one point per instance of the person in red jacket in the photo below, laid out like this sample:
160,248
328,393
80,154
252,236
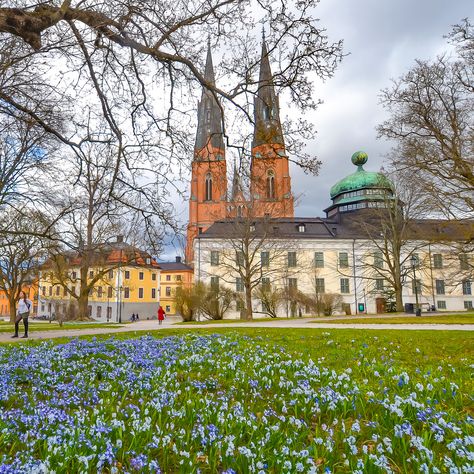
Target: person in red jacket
161,315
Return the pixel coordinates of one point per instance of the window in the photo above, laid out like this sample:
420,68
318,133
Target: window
148,261
42,308
292,284
440,287
239,258
153,293
378,260
441,304
178,277
292,259
252,228
89,311
379,284
58,289
416,286
153,276
343,260
215,283
91,274
74,275
126,292
168,309
168,277
239,305
141,276
464,261
168,291
270,184
99,311
265,259
109,313
109,292
64,291
437,261
73,290
467,304
140,292
301,228
319,285
266,284
43,291
239,211
466,287
99,292
50,291
239,286
111,274
127,274
214,258
208,185
415,258
345,285
319,259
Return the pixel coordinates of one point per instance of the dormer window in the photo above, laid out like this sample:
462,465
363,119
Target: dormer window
301,228
252,227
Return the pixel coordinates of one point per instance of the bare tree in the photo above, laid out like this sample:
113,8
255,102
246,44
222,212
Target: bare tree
271,298
215,301
20,254
431,122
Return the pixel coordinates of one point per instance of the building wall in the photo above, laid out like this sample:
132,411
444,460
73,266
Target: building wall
125,290
361,277
31,291
169,281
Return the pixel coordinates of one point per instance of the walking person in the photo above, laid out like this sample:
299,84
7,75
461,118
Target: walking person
23,311
161,315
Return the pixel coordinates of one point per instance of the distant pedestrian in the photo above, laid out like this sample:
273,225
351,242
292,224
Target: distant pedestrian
136,317
133,317
23,311
161,315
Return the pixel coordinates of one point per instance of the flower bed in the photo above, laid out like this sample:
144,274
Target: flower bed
226,403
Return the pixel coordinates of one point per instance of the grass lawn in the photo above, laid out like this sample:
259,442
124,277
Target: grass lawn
434,319
230,400
54,326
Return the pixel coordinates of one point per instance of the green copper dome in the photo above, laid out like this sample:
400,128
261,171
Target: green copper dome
361,179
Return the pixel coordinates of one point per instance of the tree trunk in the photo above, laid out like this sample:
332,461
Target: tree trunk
399,298
248,302
12,311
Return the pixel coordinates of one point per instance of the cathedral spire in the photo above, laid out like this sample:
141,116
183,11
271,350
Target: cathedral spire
266,107
236,185
209,136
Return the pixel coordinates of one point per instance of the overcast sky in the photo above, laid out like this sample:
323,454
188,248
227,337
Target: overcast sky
382,38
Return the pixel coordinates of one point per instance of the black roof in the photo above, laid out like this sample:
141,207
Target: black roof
347,227
168,266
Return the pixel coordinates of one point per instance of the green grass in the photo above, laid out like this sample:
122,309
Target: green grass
232,321
274,391
54,326
435,319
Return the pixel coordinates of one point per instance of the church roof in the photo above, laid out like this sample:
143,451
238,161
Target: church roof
209,131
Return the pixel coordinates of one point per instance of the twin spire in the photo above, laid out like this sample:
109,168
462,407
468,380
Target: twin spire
267,128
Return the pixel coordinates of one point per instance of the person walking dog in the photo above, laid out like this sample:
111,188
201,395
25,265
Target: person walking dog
23,311
161,315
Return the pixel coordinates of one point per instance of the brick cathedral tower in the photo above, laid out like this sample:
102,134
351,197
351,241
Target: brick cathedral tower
207,202
270,183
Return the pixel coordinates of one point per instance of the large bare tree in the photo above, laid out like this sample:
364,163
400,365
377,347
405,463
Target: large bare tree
431,121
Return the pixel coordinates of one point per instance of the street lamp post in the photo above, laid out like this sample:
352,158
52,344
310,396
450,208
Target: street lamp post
415,284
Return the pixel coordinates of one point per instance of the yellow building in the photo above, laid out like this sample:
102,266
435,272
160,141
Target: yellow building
123,280
173,274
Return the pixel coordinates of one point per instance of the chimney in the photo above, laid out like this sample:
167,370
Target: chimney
178,259
119,239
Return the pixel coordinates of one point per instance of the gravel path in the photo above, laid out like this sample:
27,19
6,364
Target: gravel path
143,326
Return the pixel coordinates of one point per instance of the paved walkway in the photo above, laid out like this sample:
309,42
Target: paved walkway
143,326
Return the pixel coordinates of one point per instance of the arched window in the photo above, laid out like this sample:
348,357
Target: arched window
208,187
270,184
239,211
